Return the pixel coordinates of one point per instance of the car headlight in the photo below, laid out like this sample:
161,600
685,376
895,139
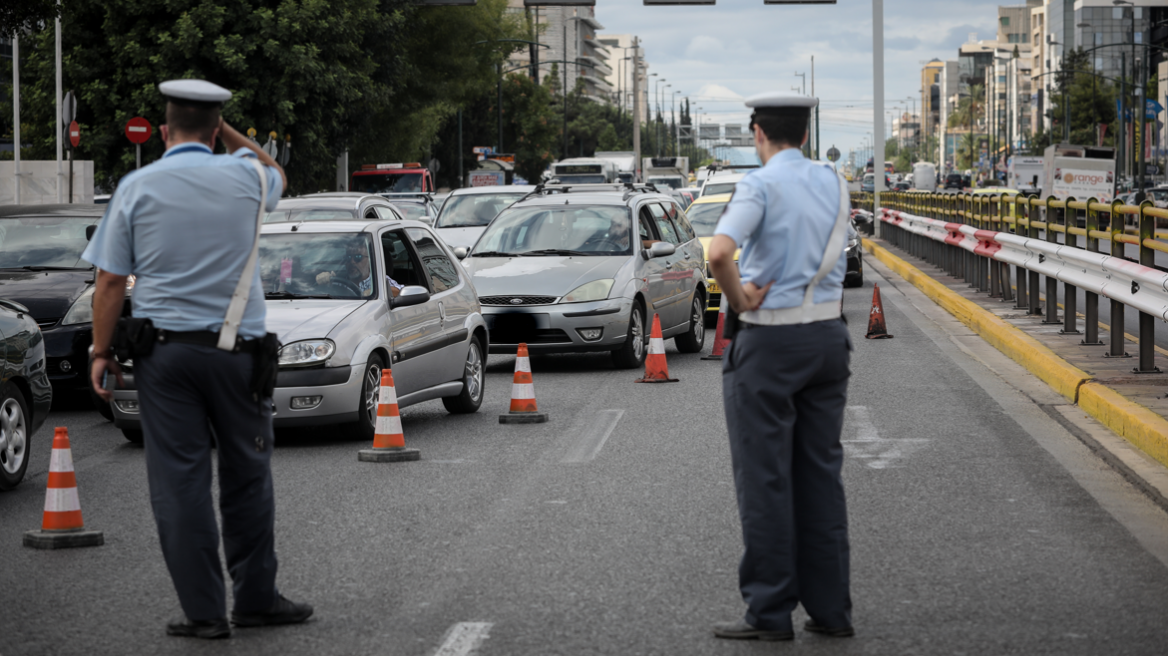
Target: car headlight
308,352
82,309
597,290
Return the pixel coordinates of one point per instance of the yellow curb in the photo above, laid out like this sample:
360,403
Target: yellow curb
1137,424
1062,376
1145,429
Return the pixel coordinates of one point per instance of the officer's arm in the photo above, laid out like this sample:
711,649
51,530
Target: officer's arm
108,297
233,141
741,297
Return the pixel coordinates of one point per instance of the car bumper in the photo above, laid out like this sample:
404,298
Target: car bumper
556,328
715,295
339,389
855,261
67,355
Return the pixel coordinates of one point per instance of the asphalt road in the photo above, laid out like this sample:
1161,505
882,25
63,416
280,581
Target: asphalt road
979,524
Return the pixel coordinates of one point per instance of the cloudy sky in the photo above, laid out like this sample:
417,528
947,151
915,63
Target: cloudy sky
718,55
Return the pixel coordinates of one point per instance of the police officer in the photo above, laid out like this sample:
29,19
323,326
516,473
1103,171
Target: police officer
185,227
785,378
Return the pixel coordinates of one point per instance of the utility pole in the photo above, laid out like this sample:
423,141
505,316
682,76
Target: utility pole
16,110
878,106
636,110
57,120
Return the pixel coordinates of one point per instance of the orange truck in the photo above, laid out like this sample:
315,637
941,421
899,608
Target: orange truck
392,179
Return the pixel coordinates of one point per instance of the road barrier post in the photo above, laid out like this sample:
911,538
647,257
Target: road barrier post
1022,302
1051,314
969,256
983,264
995,217
1115,227
1032,233
1147,321
1008,221
1070,292
1091,323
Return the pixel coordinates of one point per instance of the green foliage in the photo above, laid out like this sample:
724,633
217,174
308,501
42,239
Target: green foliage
529,125
973,104
1091,99
20,14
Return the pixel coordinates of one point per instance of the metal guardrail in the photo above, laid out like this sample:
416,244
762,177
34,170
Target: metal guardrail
978,237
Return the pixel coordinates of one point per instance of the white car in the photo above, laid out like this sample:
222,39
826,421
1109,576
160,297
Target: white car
721,183
467,211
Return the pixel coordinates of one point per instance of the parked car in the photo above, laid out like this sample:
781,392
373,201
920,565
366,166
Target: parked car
586,268
333,206
25,391
340,324
467,211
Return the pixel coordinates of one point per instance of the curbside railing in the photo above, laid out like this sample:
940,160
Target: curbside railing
979,237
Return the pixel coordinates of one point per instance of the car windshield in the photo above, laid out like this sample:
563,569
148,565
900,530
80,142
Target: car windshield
317,265
282,215
704,217
558,230
387,183
720,188
43,241
473,210
414,211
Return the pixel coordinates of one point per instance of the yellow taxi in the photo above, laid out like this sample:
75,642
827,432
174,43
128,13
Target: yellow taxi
703,215
995,191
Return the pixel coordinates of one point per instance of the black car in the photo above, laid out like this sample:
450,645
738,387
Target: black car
41,268
855,256
25,392
954,181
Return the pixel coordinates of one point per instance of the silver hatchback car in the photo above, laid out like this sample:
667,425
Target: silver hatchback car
349,298
575,268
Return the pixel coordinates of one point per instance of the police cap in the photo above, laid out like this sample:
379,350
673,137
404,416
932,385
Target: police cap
778,103
194,93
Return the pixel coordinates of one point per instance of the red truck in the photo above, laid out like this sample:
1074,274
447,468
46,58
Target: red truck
392,178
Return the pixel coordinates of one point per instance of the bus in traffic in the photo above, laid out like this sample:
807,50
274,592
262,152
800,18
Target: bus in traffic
584,170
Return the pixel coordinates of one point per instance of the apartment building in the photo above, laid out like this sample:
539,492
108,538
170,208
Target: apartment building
573,40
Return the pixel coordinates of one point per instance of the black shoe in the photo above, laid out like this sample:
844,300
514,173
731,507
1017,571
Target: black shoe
281,612
206,629
740,630
831,631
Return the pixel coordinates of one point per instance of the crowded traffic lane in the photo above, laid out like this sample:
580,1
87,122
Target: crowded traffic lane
612,529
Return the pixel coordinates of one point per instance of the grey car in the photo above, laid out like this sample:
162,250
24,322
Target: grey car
466,212
586,267
333,206
341,322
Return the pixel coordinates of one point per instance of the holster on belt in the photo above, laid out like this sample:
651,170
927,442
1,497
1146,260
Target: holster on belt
265,366
133,337
731,325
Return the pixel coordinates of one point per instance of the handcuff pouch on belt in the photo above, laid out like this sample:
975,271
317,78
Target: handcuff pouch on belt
265,366
133,338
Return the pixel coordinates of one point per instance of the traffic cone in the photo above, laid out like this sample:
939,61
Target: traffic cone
720,343
656,370
389,443
523,407
876,329
62,527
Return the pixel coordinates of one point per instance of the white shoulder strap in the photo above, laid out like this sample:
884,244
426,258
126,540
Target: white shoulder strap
835,244
235,310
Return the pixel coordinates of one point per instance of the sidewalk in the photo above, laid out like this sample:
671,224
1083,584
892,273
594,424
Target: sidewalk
1132,405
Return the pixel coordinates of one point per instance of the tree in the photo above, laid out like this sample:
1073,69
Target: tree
22,14
973,103
1091,99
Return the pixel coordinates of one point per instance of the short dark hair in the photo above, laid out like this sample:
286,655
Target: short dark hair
784,129
192,121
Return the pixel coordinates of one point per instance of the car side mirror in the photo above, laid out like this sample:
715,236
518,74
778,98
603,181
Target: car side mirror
461,252
89,230
660,249
410,295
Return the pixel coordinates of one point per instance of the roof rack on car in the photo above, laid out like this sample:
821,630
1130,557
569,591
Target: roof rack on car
546,188
429,195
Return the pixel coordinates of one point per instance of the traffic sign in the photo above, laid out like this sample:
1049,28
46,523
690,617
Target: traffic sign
138,130
74,134
833,154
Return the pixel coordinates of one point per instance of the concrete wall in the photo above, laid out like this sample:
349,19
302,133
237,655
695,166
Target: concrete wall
38,182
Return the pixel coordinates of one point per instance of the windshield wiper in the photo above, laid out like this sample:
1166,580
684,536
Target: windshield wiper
37,267
493,254
556,251
291,295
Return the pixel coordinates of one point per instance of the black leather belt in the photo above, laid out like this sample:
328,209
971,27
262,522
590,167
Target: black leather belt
205,338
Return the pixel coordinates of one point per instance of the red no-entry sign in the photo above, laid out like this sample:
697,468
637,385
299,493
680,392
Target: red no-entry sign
74,134
138,130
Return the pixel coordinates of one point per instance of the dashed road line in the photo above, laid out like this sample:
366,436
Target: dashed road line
464,639
593,437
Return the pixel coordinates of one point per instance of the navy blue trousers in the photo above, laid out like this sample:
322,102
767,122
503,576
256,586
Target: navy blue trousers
185,390
784,389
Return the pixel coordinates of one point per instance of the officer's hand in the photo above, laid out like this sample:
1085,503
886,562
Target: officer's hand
97,372
755,294
324,277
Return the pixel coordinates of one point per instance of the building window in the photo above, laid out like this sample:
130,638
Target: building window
1005,21
1098,40
1098,63
1117,13
1139,37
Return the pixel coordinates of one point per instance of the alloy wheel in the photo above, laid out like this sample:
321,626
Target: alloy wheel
638,330
698,321
13,440
474,372
372,391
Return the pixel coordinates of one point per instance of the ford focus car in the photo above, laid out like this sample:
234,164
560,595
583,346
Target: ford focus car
348,299
585,268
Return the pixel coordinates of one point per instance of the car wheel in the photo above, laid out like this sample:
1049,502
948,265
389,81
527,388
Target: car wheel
692,340
13,437
473,377
132,435
366,424
632,353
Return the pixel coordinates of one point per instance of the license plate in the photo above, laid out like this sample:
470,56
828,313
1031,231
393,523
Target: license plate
714,288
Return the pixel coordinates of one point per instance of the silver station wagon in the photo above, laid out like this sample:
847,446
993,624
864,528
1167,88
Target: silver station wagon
349,298
574,268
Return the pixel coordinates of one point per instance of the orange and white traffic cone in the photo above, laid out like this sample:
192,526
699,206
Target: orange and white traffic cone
720,343
523,406
656,370
876,327
62,527
389,443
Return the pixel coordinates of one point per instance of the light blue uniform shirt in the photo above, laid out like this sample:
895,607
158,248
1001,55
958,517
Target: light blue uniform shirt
781,217
184,226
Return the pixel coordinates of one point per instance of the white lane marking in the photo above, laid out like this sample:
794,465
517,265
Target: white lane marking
464,639
592,438
880,453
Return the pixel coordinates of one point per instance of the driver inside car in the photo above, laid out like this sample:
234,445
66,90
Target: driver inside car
358,271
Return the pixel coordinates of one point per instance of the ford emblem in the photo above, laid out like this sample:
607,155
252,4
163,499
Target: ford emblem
516,301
